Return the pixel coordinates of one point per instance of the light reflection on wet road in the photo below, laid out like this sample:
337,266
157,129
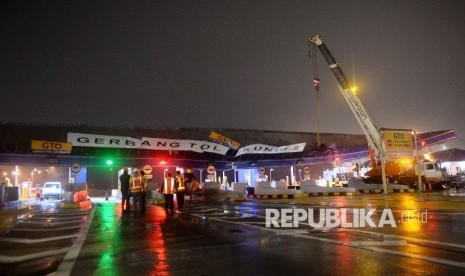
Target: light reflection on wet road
227,238
230,239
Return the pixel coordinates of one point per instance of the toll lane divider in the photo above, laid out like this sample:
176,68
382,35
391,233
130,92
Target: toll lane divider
334,194
278,196
378,191
296,196
235,199
373,191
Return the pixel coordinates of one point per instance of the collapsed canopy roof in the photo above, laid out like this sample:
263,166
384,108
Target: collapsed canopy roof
17,138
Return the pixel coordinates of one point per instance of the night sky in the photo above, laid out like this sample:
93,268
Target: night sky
232,64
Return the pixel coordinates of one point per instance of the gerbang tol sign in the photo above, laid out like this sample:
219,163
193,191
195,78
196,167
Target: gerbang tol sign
105,141
265,149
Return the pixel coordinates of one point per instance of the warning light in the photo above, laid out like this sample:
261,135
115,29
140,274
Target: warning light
354,89
406,161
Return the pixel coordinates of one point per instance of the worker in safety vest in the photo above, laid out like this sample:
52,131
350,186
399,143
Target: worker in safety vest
180,190
136,189
168,190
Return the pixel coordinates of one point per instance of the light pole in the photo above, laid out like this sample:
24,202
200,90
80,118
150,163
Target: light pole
271,180
417,160
31,185
32,175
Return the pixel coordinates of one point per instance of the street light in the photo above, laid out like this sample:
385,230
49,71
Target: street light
270,174
417,160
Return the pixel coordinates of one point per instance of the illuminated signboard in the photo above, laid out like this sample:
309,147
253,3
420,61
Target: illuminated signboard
398,140
50,147
224,140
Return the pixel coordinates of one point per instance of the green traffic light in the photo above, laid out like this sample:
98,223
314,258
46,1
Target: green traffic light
109,162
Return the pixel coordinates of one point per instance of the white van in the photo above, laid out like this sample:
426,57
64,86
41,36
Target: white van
52,189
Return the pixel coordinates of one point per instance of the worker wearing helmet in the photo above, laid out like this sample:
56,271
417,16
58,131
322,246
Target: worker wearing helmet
136,189
168,191
180,190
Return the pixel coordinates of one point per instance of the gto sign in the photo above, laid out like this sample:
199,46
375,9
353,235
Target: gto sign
398,140
50,147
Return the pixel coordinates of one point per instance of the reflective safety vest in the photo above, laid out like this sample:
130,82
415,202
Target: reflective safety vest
181,186
168,186
144,183
136,185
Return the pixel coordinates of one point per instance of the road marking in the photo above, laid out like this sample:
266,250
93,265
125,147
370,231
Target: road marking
54,218
67,264
365,245
43,230
292,232
415,256
56,238
241,217
461,246
378,243
372,248
277,231
50,223
16,259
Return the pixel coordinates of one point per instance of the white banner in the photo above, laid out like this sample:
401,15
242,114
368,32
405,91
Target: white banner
105,141
265,149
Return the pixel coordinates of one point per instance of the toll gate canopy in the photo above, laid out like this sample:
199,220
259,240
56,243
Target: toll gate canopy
94,145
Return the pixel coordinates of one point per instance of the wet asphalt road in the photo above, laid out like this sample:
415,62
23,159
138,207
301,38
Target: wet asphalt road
219,238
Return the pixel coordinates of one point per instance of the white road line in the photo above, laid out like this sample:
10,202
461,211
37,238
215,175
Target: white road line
372,248
43,230
221,214
378,243
68,215
292,232
67,264
415,256
52,223
55,238
278,230
256,222
17,259
409,239
241,217
54,217
210,210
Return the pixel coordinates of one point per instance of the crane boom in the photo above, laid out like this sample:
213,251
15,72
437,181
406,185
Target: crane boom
360,112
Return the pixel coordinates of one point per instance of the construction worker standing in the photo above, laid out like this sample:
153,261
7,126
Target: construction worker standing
144,191
180,190
124,181
168,190
136,189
